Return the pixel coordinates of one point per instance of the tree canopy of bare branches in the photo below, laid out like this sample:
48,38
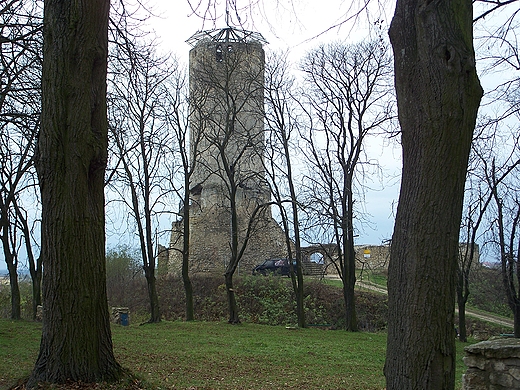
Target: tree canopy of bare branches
20,106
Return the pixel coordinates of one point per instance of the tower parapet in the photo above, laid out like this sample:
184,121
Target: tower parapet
226,35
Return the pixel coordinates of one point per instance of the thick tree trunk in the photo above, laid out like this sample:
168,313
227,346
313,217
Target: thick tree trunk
438,95
188,289
350,312
72,153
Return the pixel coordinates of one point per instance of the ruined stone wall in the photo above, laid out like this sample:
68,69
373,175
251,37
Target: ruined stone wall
492,365
370,257
373,257
210,245
377,257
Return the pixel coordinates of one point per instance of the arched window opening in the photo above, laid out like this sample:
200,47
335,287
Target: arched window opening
317,258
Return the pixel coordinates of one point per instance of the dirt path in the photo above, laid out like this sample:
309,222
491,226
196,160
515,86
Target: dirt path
489,317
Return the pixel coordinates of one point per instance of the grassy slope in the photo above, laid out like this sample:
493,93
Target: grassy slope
211,355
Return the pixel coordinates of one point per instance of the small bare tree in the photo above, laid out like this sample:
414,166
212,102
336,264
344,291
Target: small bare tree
505,227
349,97
142,146
20,107
282,127
479,195
497,52
178,120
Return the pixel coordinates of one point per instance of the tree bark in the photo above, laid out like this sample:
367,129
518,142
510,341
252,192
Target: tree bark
16,312
11,262
297,280
351,323
155,313
461,302
72,154
438,96
36,293
349,254
188,287
232,302
462,291
516,326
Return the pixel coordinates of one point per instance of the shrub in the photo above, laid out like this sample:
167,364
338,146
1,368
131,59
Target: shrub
266,300
487,291
25,286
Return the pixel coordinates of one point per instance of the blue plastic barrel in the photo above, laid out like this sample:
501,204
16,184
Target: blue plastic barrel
124,319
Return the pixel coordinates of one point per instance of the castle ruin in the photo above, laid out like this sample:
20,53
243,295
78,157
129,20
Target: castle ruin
226,72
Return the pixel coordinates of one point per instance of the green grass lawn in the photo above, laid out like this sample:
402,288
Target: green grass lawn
211,355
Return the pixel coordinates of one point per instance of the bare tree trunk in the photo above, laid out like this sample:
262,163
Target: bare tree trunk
349,256
188,288
463,334
509,263
16,312
155,313
279,120
461,302
438,96
234,258
464,261
297,280
10,261
35,266
149,266
76,340
516,312
36,292
232,302
348,287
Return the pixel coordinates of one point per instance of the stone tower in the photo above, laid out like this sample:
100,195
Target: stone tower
226,73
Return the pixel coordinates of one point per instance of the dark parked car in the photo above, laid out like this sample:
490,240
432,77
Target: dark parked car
274,266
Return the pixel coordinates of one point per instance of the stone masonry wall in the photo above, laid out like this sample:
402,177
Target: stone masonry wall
492,365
